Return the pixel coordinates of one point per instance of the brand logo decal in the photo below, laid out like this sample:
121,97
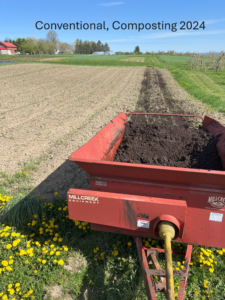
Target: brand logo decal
85,199
217,202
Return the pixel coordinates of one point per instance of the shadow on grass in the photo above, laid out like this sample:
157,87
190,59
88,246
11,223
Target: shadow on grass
103,276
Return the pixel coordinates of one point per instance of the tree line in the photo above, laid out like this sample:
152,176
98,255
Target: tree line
51,43
87,47
138,52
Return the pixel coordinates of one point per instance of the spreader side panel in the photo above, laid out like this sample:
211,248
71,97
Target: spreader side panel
104,144
136,213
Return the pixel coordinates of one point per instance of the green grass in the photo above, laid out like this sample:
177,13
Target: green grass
207,86
109,265
106,265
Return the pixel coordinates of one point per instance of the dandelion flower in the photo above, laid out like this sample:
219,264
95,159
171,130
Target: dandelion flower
4,263
60,262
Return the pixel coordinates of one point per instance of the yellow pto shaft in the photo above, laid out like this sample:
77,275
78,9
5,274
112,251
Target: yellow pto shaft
167,232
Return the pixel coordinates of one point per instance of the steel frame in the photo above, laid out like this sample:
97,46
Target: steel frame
151,286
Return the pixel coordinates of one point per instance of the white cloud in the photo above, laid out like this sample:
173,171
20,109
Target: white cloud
178,34
120,40
167,35
213,21
111,3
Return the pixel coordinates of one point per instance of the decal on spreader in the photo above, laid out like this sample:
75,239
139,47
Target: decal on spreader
215,217
84,199
217,202
104,183
143,223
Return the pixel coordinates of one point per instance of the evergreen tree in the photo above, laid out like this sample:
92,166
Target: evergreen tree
137,49
99,46
107,47
77,46
81,47
86,47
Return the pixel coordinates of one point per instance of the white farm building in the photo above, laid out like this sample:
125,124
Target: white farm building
104,53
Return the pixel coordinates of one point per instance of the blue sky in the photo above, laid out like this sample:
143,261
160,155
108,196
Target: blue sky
18,18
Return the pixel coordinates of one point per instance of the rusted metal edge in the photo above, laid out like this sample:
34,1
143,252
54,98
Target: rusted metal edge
183,280
148,280
163,250
160,286
162,273
152,256
163,114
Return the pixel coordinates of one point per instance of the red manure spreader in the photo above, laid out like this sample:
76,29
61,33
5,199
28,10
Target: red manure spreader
168,203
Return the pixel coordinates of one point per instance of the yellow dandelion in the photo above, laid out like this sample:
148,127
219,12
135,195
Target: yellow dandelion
60,262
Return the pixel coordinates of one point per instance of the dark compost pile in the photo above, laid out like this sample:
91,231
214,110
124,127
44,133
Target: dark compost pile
169,145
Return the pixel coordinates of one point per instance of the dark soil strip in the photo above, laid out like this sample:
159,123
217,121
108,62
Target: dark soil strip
165,141
169,145
155,98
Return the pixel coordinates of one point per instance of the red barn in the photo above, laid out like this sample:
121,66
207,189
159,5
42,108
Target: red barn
8,46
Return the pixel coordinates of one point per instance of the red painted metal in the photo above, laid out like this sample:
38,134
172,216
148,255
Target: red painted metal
202,190
123,210
148,280
183,281
132,198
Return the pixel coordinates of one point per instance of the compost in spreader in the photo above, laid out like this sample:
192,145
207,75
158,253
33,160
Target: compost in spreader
168,144
147,196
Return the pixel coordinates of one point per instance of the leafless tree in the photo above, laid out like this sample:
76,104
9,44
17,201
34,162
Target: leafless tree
205,62
52,37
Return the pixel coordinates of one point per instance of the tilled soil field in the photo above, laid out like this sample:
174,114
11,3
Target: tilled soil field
43,105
